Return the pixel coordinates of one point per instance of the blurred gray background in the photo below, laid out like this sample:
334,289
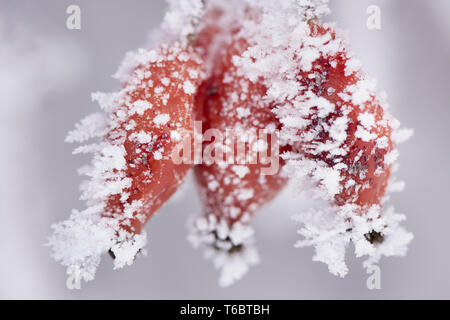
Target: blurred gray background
46,76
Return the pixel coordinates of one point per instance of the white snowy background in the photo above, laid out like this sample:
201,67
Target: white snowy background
46,76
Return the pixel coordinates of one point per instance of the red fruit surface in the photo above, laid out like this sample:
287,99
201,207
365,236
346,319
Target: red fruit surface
230,101
366,175
169,85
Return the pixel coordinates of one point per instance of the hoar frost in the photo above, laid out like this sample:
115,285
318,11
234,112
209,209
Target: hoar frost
281,45
232,250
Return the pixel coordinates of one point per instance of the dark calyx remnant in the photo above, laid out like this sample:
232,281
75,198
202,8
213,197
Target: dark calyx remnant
113,256
234,248
374,237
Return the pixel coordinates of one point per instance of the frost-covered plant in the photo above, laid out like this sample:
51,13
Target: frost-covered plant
242,65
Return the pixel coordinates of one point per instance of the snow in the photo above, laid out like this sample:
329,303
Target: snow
161,119
219,243
241,171
141,137
382,142
157,155
402,135
329,178
332,229
353,65
391,157
281,44
193,74
182,18
188,87
338,129
175,135
90,127
362,91
243,112
140,106
165,81
80,241
364,134
367,120
213,185
245,194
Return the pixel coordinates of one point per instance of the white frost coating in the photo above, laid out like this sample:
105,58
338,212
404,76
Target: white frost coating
331,230
364,134
183,17
213,185
391,157
132,60
338,129
241,171
281,45
243,112
126,250
362,91
311,173
161,119
140,106
353,65
92,126
314,8
79,242
157,155
367,120
232,251
245,194
402,135
175,135
141,137
188,87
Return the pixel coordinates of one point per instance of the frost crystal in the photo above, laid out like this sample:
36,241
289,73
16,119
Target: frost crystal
183,17
331,230
80,241
232,251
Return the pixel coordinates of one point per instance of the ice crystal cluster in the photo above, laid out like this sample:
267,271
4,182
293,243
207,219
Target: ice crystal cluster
232,250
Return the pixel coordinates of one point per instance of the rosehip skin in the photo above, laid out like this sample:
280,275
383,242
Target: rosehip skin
154,181
333,81
216,97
